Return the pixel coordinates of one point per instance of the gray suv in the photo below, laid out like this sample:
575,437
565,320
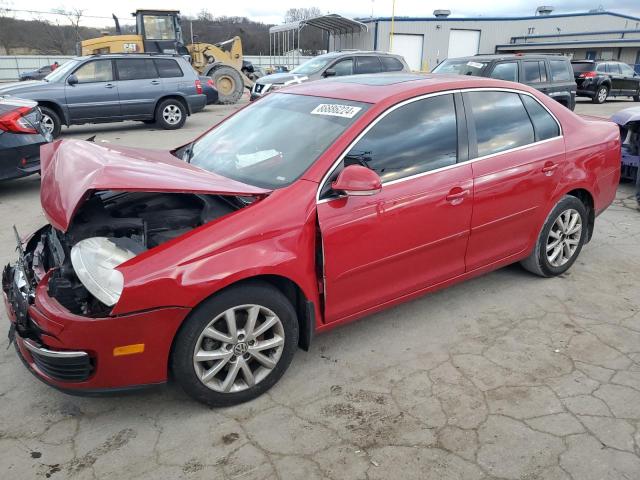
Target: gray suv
334,64
110,88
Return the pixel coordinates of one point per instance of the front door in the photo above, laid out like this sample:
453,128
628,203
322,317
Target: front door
414,232
519,159
95,96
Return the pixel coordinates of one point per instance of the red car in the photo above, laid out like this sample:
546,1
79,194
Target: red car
315,206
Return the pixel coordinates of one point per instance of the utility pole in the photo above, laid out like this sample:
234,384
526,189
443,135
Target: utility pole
393,16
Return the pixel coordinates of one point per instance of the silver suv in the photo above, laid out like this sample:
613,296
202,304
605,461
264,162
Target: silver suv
334,64
110,88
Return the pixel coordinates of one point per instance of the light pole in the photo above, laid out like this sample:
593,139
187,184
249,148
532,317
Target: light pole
393,16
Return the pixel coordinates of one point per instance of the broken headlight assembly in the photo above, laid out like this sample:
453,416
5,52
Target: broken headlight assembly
95,261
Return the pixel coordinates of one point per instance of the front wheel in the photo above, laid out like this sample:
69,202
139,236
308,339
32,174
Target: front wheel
560,240
51,121
235,345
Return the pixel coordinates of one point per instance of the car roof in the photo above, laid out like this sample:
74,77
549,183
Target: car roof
510,56
374,88
344,53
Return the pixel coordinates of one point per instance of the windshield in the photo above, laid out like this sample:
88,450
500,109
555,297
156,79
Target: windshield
311,66
461,67
62,71
159,27
273,142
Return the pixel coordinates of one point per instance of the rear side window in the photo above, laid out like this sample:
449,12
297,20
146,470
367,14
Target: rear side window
135,68
501,121
415,138
601,68
168,68
368,65
534,72
560,71
392,64
96,71
544,124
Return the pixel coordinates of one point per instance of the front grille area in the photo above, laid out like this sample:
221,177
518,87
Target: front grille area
63,366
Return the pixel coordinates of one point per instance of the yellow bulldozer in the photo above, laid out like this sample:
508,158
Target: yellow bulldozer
159,31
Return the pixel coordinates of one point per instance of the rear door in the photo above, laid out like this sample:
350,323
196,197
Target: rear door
562,85
139,86
95,96
518,156
414,232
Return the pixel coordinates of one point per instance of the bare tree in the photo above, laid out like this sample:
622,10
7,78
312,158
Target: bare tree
297,14
73,15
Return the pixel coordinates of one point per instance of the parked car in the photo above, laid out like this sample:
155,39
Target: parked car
334,64
209,89
629,122
549,74
217,260
37,74
109,88
21,135
600,80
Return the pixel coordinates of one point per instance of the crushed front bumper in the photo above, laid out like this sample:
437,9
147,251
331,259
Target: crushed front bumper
81,354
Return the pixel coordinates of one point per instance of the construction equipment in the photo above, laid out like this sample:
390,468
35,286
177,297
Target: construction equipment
159,31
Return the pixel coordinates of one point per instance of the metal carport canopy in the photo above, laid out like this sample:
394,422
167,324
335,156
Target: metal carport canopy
334,24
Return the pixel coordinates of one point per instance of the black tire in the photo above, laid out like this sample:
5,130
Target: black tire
182,357
538,262
229,83
599,97
172,121
54,118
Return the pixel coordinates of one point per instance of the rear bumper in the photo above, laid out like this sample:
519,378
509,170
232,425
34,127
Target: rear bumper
197,102
75,353
19,157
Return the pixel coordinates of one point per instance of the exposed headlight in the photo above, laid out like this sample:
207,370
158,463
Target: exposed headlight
95,260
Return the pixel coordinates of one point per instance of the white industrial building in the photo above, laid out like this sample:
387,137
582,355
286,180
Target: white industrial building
426,41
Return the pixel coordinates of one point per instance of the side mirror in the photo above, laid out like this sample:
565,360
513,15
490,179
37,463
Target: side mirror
329,72
356,180
72,79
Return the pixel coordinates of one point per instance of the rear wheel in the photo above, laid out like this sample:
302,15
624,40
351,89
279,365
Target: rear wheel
560,240
601,95
228,82
170,114
236,345
51,121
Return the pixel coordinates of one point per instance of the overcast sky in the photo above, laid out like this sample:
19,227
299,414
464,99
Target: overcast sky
272,11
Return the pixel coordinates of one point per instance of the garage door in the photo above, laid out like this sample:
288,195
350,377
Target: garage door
463,43
410,47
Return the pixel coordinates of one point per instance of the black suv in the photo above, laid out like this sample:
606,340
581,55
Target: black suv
551,74
601,79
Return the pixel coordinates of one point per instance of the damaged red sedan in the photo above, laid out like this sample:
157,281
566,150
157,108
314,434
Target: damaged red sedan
319,204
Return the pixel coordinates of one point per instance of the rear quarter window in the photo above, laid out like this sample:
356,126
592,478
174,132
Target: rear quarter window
560,70
168,68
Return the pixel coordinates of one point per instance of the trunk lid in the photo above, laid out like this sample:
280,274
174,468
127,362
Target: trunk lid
73,169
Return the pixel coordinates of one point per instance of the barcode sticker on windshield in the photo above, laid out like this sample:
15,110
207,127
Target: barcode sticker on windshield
475,64
346,111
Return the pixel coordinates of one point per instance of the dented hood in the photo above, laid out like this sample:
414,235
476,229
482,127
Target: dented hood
73,169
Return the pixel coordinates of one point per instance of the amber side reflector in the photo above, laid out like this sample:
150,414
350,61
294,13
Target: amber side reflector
128,349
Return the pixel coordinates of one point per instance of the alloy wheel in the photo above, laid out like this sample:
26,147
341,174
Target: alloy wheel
172,114
239,348
47,123
602,95
564,237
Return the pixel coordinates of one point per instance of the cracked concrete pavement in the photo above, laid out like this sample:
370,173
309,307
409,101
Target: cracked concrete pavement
507,376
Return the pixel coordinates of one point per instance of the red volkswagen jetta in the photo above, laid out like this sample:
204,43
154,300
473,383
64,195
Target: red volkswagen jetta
317,205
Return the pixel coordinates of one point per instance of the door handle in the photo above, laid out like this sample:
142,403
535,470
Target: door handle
155,82
549,168
109,85
456,195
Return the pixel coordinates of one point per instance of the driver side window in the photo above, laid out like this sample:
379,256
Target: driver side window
413,139
95,71
343,67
